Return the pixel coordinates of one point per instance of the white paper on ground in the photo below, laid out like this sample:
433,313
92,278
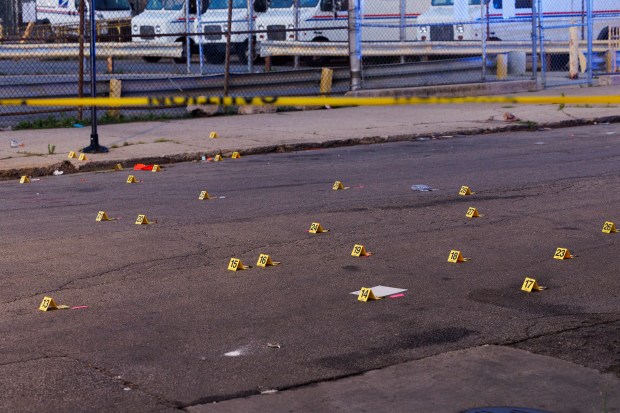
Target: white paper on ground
383,291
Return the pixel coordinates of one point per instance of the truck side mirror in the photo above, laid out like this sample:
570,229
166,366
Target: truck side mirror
327,5
343,5
260,6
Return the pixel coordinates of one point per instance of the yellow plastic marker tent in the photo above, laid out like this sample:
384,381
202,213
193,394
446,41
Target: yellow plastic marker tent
156,168
264,260
609,227
72,155
102,216
235,264
24,180
82,157
465,190
142,220
360,251
235,155
472,212
338,185
366,294
530,285
456,256
131,179
204,195
218,158
213,135
48,303
316,228
118,167
562,254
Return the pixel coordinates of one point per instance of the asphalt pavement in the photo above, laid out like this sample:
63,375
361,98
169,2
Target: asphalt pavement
162,325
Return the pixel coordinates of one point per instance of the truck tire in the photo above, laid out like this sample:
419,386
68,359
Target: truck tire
317,60
151,59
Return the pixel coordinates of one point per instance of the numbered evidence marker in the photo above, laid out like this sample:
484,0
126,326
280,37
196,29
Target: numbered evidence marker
530,285
465,190
156,168
204,195
316,228
264,260
102,216
218,158
562,254
131,179
213,135
472,212
609,227
235,264
338,185
48,303
366,294
235,155
82,157
24,180
142,220
72,155
360,251
118,167
456,256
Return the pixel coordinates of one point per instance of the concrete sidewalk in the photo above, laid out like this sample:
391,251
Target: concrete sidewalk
453,382
188,139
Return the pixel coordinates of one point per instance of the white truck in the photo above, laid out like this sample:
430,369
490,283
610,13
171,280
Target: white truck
455,20
165,21
63,16
213,25
326,20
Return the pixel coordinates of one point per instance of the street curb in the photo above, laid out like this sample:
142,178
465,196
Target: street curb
69,168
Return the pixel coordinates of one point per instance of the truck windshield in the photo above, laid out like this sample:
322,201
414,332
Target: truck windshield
165,4
287,4
451,2
223,4
109,5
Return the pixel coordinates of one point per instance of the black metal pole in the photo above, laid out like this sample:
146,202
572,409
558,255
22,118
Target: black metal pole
94,146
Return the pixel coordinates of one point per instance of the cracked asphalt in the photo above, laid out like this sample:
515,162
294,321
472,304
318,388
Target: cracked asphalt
163,310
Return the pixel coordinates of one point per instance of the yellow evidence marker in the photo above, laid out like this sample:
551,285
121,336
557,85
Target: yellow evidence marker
213,135
142,220
366,294
338,185
609,227
235,155
48,303
102,216
204,195
24,180
131,179
472,212
465,190
264,260
530,285
156,168
235,264
82,157
562,254
360,251
218,158
456,256
316,228
72,155
118,167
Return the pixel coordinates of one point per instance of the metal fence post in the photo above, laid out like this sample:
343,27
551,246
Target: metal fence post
354,46
199,34
402,35
541,40
250,36
590,33
534,45
188,51
296,34
483,37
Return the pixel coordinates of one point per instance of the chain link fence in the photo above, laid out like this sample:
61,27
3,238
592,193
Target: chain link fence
291,47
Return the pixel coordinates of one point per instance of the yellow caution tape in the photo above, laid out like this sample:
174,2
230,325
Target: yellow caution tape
163,101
